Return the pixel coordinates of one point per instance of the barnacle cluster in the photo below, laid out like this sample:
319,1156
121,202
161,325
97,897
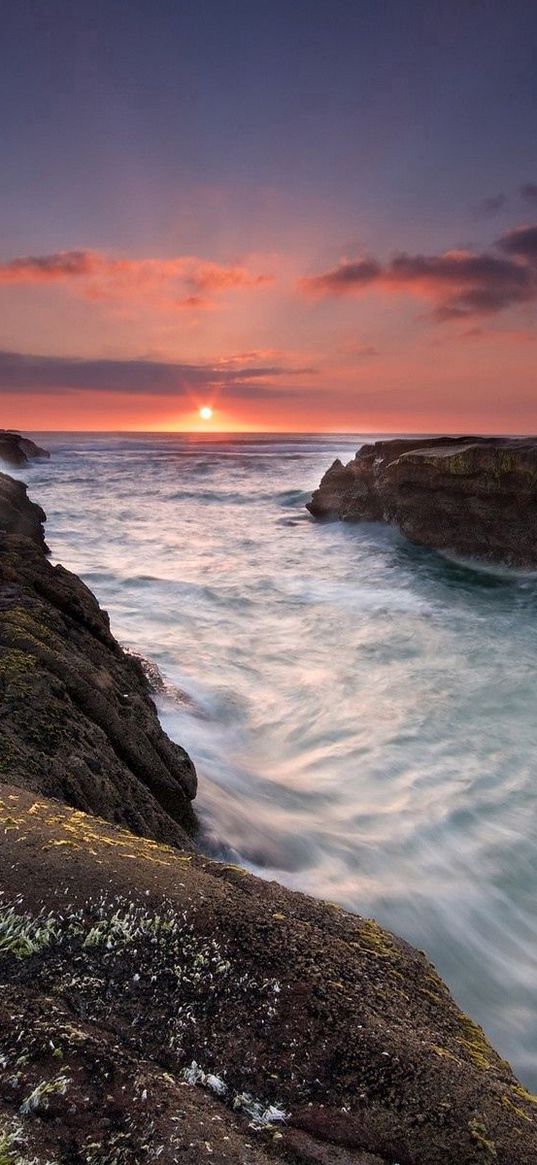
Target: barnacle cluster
110,950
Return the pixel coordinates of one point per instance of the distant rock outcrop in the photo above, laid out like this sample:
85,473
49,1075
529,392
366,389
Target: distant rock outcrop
476,496
18,450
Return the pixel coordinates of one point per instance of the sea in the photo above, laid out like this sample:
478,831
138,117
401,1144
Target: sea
362,713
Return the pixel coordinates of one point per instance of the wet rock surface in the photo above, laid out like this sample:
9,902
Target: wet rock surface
476,496
18,450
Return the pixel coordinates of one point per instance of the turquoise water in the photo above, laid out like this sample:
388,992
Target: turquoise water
362,714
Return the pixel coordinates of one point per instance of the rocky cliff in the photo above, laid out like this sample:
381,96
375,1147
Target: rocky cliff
157,1006
76,717
18,515
473,495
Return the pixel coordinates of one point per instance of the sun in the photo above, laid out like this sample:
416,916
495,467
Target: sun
206,412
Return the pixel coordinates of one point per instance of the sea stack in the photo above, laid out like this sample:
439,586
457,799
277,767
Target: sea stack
476,496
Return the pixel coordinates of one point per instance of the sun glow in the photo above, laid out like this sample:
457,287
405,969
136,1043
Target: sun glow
206,412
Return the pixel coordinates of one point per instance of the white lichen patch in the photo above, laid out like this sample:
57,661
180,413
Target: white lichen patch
161,949
14,1147
262,1116
10,1141
196,1075
22,935
38,1100
120,1148
116,953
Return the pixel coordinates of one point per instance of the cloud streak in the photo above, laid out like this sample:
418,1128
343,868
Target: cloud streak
46,374
458,284
186,281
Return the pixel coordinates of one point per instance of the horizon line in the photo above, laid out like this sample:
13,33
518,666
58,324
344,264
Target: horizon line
288,432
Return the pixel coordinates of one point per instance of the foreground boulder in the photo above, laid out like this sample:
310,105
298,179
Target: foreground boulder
159,1006
18,450
76,717
473,495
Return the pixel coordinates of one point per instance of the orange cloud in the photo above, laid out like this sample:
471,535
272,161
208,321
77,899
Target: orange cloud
193,301
184,281
509,336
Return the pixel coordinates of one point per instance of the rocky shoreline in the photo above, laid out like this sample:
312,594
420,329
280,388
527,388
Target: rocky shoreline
78,721
160,1006
476,496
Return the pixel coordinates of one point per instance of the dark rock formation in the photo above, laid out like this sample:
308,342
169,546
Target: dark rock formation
156,1006
473,495
76,718
129,971
18,450
18,515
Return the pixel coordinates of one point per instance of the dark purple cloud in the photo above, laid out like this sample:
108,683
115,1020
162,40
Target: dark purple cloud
464,284
529,193
458,284
23,373
491,205
346,276
521,242
45,268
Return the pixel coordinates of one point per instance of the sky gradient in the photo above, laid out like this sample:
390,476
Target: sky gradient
308,215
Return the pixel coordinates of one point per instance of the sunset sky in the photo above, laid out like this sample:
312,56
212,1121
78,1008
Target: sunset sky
306,215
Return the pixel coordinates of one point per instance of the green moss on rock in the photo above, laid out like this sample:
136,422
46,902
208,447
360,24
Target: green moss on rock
17,669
